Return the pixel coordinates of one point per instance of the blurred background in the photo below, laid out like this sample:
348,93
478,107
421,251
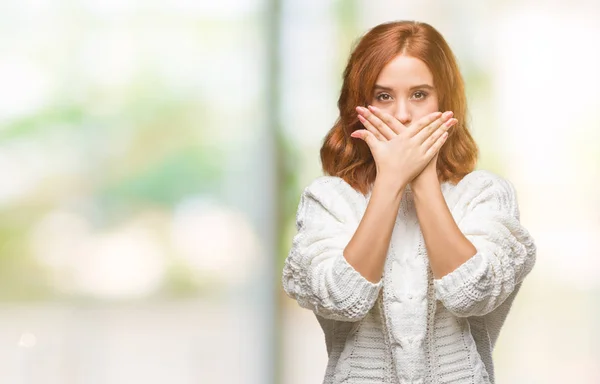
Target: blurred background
152,156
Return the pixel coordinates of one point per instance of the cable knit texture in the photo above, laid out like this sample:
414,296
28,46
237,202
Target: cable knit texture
409,327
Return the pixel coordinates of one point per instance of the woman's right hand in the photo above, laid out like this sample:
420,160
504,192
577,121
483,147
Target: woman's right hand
402,152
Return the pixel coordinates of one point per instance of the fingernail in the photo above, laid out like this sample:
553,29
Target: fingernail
372,108
451,122
447,114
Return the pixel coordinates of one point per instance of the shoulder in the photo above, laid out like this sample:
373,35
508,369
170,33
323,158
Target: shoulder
335,195
483,180
486,187
325,186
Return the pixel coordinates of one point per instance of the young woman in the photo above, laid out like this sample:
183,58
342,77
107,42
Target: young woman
408,256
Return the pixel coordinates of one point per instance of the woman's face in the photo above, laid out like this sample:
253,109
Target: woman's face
405,89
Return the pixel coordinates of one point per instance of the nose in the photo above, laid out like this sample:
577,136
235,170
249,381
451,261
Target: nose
403,113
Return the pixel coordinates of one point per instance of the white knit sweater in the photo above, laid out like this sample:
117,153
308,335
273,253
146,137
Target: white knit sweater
410,327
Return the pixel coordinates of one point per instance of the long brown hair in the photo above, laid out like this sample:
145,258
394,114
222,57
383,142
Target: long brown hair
351,159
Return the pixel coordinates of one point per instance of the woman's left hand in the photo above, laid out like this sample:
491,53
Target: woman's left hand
377,119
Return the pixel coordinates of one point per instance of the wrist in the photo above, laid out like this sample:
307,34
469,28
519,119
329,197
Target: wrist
425,177
422,186
394,184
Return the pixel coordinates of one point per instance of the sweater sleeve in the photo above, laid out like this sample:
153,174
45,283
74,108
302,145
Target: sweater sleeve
316,273
506,252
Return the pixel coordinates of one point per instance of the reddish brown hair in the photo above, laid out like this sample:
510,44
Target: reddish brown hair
350,158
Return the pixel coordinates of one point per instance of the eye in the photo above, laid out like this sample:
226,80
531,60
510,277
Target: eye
383,97
420,95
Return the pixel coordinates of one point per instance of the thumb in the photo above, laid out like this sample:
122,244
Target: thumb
365,135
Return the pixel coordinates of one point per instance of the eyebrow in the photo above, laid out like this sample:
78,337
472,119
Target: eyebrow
389,89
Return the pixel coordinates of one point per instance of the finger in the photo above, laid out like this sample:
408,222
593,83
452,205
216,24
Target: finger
431,128
394,124
376,122
431,140
366,136
435,148
423,122
426,131
371,128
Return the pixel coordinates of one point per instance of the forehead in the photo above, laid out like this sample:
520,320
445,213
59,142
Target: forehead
404,72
